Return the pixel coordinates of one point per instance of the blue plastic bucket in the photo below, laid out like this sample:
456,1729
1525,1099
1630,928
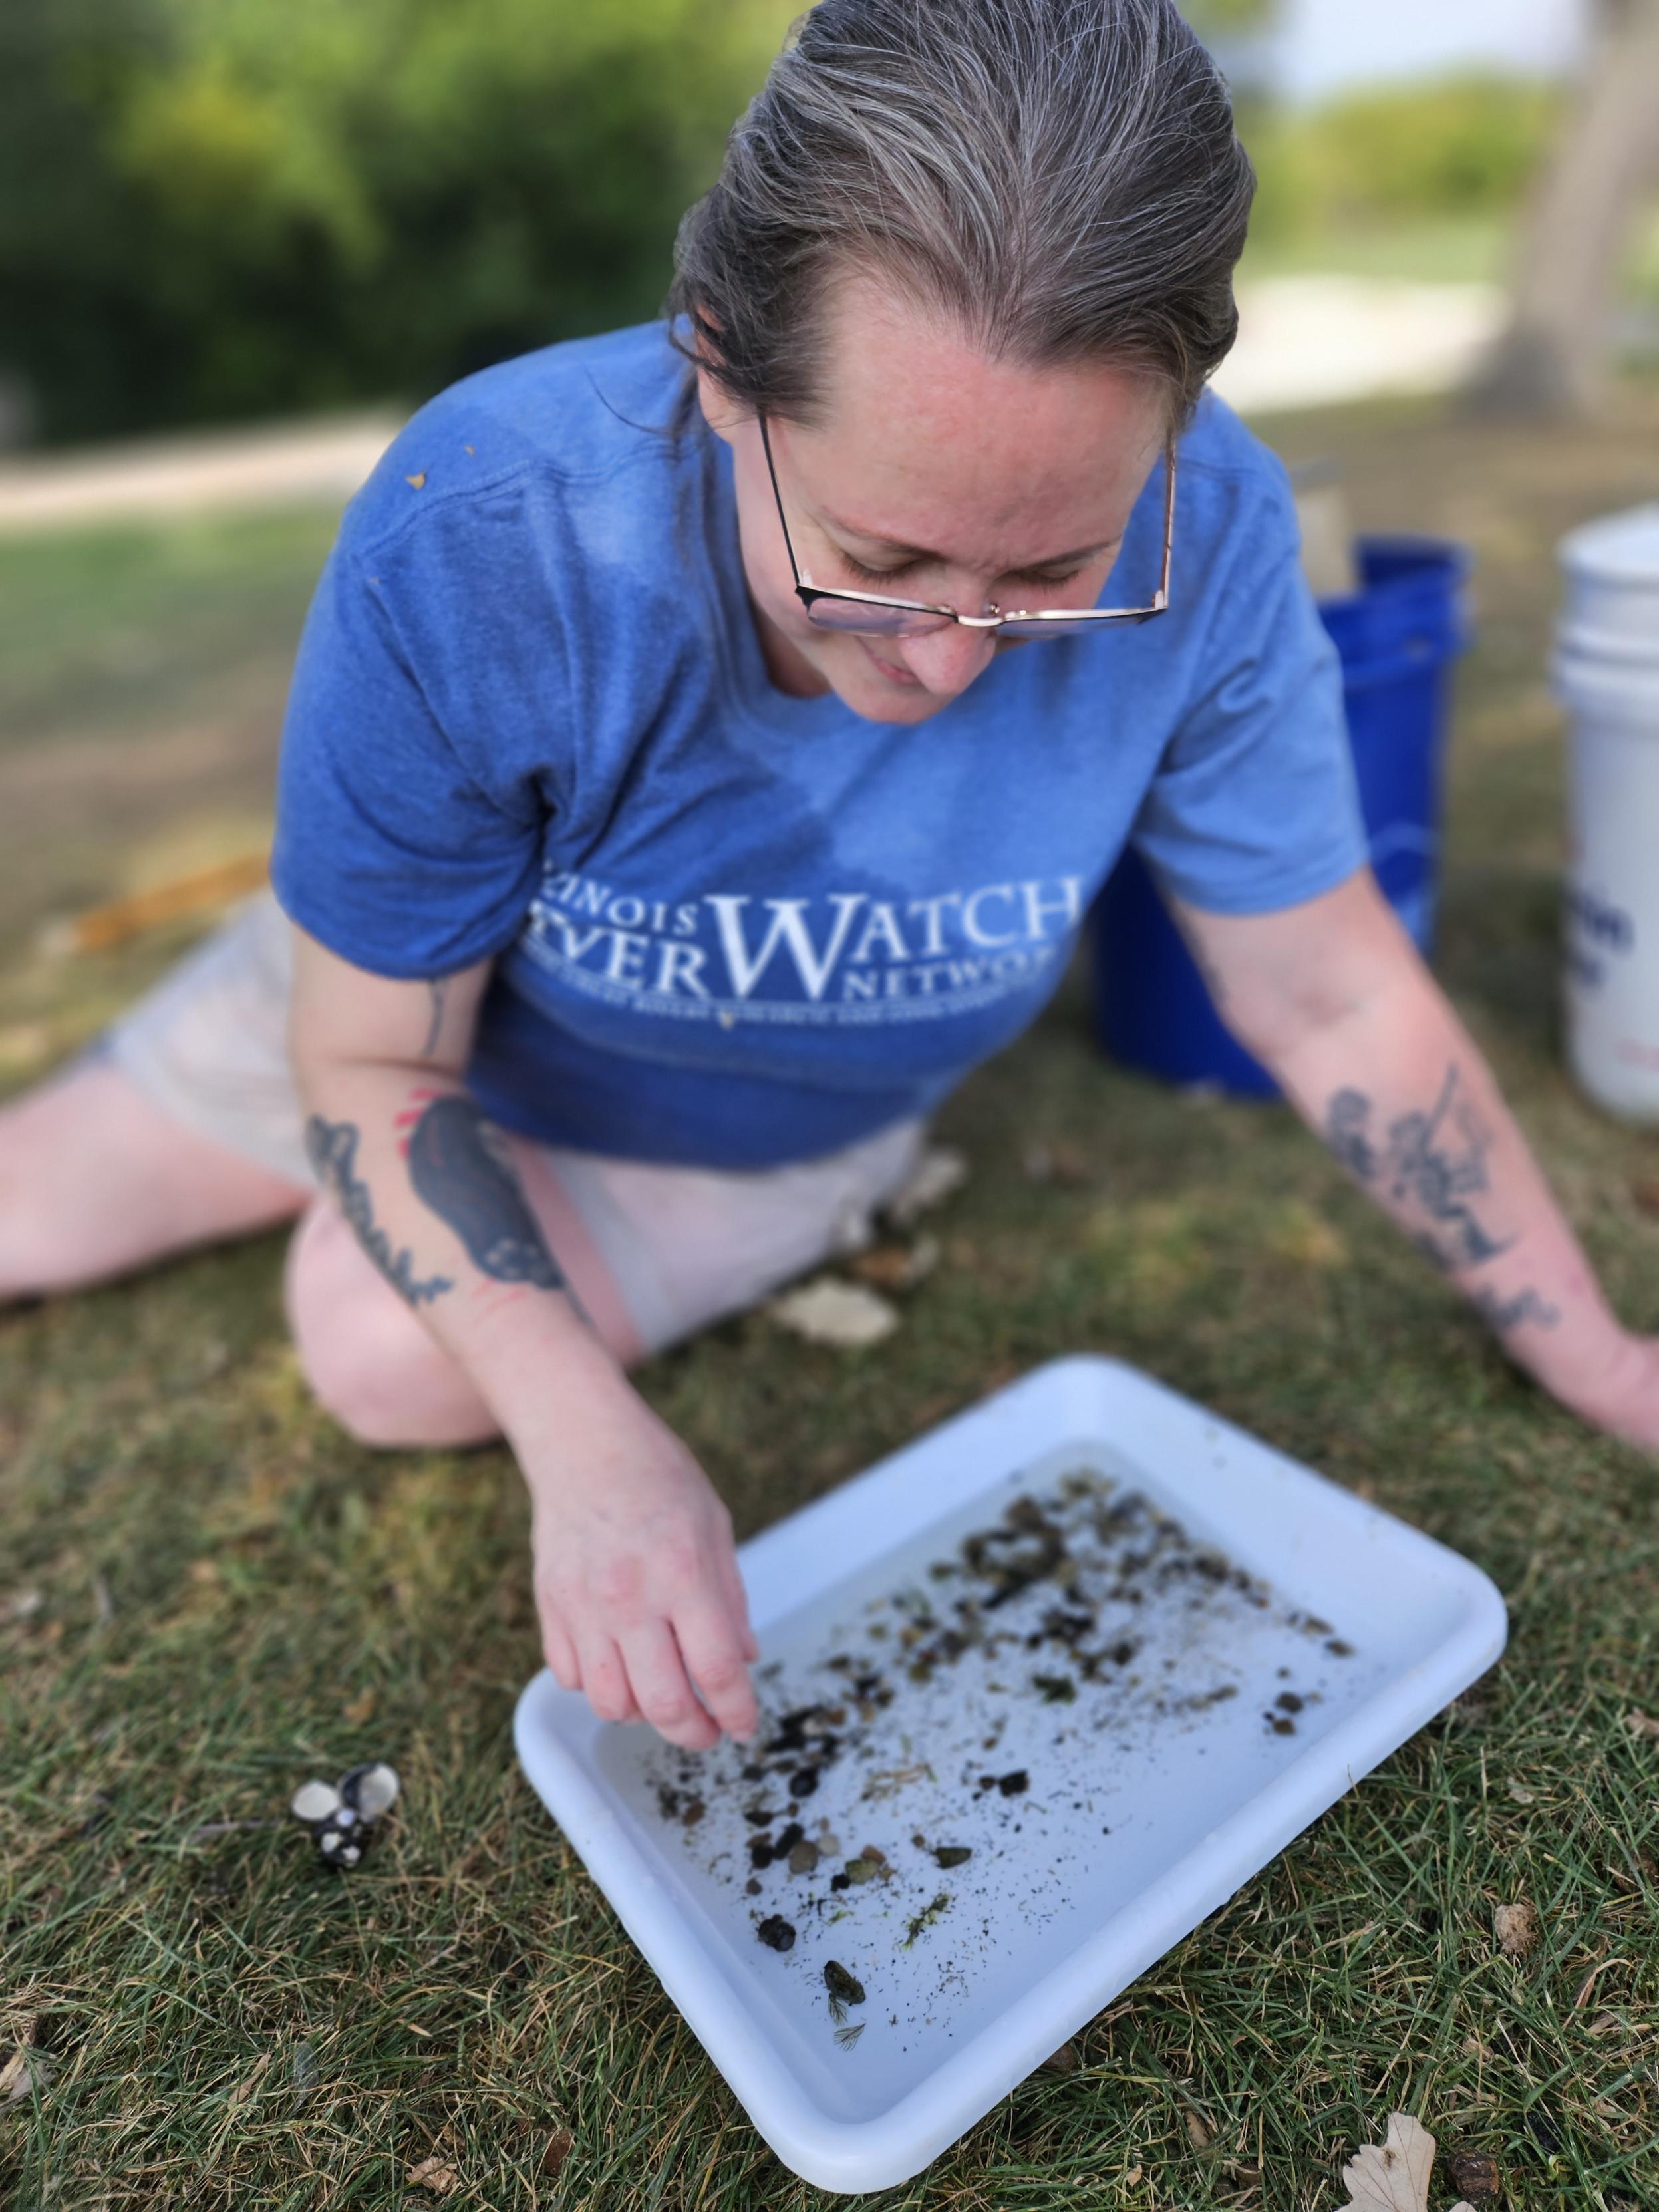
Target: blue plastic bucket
1397,636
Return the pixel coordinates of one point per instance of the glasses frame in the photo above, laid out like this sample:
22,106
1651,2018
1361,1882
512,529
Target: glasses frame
1064,619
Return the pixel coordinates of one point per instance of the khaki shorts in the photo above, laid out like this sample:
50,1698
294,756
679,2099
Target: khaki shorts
655,1253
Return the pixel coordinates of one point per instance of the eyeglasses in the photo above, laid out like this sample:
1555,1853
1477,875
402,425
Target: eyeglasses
870,614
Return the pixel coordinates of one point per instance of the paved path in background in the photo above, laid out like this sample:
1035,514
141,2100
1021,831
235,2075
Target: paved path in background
1304,341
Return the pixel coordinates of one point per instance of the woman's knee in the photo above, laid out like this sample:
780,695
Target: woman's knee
368,1360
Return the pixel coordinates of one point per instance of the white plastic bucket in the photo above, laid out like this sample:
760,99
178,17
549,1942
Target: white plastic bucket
1606,672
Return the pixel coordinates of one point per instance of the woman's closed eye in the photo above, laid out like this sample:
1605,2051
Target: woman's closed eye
869,575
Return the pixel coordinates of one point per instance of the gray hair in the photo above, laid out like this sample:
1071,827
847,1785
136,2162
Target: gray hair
1060,178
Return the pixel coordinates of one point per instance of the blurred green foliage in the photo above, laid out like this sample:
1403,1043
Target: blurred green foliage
1461,147
212,209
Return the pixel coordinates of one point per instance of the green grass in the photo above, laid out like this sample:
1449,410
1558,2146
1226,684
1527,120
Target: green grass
177,608
232,2028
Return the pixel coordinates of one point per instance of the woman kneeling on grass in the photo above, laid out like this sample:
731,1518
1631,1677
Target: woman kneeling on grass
674,807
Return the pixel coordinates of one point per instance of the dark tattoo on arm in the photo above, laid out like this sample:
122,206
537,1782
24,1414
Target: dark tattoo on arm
331,1147
1503,1314
438,990
1436,1162
459,1168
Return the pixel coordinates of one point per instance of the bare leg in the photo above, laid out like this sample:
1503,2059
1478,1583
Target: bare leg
96,1181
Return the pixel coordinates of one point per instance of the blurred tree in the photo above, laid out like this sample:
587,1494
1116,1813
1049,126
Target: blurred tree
1553,356
219,208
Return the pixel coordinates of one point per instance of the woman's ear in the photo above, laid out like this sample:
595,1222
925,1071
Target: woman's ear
719,410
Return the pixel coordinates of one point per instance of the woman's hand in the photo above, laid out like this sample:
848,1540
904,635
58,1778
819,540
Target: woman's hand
1621,1396
637,1586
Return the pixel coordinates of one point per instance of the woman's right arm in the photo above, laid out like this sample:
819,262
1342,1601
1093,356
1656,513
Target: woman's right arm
637,1586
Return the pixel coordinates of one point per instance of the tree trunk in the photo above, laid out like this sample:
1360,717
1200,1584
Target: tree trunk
1552,358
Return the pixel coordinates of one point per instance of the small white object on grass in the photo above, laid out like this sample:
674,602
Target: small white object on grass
829,1311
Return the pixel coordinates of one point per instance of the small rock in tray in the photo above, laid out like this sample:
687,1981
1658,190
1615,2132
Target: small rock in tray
776,1933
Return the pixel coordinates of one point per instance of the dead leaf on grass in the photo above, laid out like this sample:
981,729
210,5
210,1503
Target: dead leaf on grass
26,2073
1066,2060
939,1172
1643,1724
1394,2176
1202,2135
898,1266
830,1311
558,2148
360,1708
1520,1795
1515,1927
435,2175
244,2090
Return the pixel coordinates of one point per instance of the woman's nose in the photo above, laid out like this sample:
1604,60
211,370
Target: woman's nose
947,660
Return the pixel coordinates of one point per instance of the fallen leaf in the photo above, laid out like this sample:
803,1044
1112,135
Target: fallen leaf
1202,2135
360,1708
244,2090
1515,1927
26,2073
1520,1795
559,2146
1133,2176
1641,1724
1475,2172
898,1266
434,2174
1063,2061
939,1172
1393,2177
830,1311
1056,1163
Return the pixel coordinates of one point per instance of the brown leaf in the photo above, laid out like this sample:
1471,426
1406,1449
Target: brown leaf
26,2073
559,2145
1202,2135
1643,1724
1475,2174
1395,2176
434,2174
360,1708
1515,1927
244,2090
1066,2060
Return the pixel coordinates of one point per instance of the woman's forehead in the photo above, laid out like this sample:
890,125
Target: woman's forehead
922,437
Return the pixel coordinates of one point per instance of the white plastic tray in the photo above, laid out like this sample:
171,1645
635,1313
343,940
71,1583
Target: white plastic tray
1286,1636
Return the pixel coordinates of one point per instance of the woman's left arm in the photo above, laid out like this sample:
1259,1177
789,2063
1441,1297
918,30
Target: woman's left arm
1334,998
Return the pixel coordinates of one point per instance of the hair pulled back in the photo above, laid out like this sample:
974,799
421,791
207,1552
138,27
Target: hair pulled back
1060,178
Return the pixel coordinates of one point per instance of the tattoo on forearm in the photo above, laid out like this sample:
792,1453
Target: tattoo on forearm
437,991
1435,1161
331,1147
1503,1314
460,1167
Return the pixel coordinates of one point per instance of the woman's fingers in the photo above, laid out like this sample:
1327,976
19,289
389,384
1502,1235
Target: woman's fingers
662,1690
738,1599
604,1678
559,1653
716,1659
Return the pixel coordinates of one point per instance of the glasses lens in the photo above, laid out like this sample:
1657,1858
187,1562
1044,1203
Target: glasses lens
852,615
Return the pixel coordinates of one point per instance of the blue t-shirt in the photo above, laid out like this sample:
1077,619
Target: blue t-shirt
531,721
